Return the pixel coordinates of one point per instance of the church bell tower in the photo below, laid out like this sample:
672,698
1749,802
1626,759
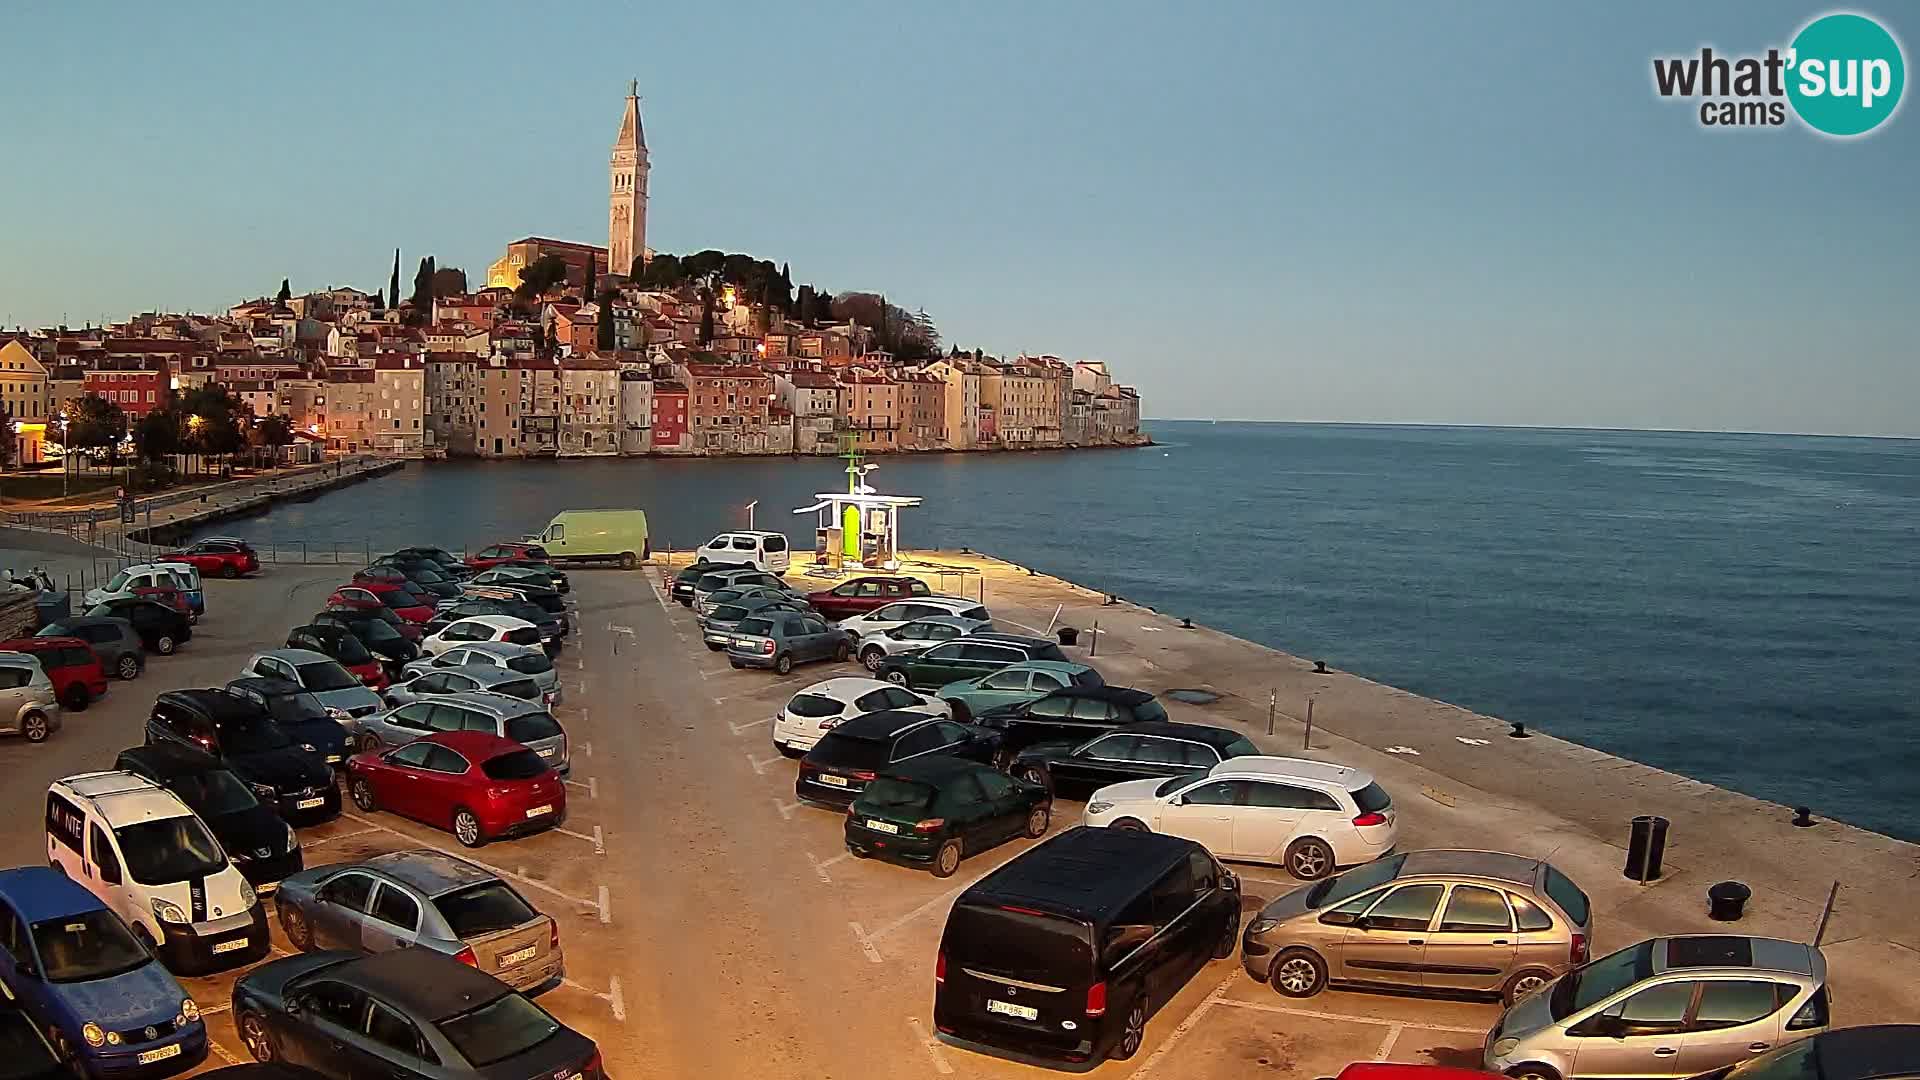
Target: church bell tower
627,199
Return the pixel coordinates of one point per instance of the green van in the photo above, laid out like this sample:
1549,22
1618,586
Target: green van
576,536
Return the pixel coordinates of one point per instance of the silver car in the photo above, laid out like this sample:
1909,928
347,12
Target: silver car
427,900
519,659
525,722
912,637
731,579
718,624
440,682
318,674
27,705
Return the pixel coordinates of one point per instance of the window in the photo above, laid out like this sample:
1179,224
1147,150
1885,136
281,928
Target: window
1197,755
348,890
104,857
1014,680
1409,907
920,740
338,1004
1044,680
12,677
412,755
1811,1015
442,760
1656,1009
1172,895
996,654
1115,748
1288,797
415,715
1730,1003
1528,914
1091,709
1216,793
1472,909
396,908
1565,893
1204,871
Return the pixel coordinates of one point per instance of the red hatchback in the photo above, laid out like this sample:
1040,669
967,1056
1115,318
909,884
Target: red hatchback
864,594
217,558
75,670
474,784
498,553
397,598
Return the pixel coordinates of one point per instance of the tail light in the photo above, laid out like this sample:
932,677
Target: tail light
865,776
553,934
1370,819
767,646
593,1066
829,723
940,967
466,957
1097,999
849,809
1577,951
931,824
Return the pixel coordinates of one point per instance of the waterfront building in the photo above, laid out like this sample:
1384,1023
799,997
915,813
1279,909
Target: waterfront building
923,409
728,406
988,422
627,193
590,403
453,406
671,433
873,411
24,393
636,411
960,411
66,385
130,384
397,420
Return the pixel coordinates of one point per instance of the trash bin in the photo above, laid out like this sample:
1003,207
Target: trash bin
50,607
1727,900
1069,635
1646,846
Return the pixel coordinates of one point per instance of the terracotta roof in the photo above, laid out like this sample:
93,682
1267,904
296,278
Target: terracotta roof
668,386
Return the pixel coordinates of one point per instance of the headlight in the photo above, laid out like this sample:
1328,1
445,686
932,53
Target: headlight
309,748
189,1011
1099,806
1261,926
293,839
247,897
264,791
93,1034
337,714
168,912
1503,1047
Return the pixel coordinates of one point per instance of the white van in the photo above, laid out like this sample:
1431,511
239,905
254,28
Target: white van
142,576
137,847
762,550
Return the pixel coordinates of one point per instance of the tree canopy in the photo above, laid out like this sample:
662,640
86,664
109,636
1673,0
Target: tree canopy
94,422
540,275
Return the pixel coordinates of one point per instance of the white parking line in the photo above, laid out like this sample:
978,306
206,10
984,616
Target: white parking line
786,809
614,999
318,840
1386,1044
820,868
1186,1025
943,898
606,909
933,1046
586,748
468,857
209,1010
592,787
599,848
227,1055
1313,1014
760,766
866,943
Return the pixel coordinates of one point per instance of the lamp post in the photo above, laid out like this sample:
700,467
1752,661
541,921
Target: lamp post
750,507
66,458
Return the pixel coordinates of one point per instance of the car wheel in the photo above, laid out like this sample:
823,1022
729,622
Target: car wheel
1533,1071
1130,825
841,652
782,664
897,678
1309,859
369,744
229,572
1037,820
128,666
1299,973
294,922
947,859
1134,1033
363,796
259,1041
76,698
1523,983
1037,776
711,647
34,726
165,645
1228,939
466,828
872,656
627,561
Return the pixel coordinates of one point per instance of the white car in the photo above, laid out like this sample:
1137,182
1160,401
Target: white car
144,576
817,709
481,628
1311,817
901,612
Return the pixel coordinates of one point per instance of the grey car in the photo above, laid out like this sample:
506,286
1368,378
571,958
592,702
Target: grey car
781,639
439,682
731,579
115,640
525,722
318,674
912,637
423,899
718,624
504,655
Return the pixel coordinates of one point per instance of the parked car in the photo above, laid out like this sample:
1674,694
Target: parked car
1477,921
1015,684
504,655
722,621
219,558
847,758
1064,952
340,645
779,640
407,1014
440,682
525,722
371,608
72,666
1150,750
449,563
1072,715
863,594
970,614
424,899
162,628
553,628
1666,1007
1395,1070
30,1056
555,577
188,577
716,580
498,553
141,576
425,577
1871,1052
936,810
139,849
767,551
381,639
318,674
401,600
168,596
514,576
70,966
259,842
114,640
302,715
27,705
821,707
476,785
967,658
595,536
291,777
482,628
1311,817
907,638
686,579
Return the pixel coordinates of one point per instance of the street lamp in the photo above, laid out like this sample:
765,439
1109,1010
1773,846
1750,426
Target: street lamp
66,458
750,507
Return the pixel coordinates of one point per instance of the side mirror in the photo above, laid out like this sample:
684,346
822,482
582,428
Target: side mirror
1343,918
1179,800
295,1004
25,969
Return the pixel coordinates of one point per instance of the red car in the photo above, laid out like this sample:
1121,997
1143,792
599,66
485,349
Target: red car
169,596
499,553
217,558
474,784
75,669
864,594
367,595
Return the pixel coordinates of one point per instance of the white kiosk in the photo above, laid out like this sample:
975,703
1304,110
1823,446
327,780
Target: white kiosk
859,527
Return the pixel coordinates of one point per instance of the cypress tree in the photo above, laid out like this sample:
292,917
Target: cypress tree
393,283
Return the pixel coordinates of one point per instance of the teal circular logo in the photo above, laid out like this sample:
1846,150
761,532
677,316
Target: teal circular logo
1846,74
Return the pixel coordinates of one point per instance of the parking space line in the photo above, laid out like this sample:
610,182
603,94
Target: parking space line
541,885
1218,995
606,910
943,898
786,809
742,729
1386,1044
592,788
586,748
933,1046
1312,1014
598,842
209,1010
318,840
615,1000
225,1054
760,766
866,943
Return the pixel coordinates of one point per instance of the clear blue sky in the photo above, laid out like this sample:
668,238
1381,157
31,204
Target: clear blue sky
1466,213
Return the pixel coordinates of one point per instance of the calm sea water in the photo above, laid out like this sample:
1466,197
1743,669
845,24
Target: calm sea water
1744,609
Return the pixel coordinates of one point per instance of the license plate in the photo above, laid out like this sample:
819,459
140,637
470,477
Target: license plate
1006,1008
267,888
309,804
882,826
333,759
538,810
546,751
159,1053
832,780
516,956
230,946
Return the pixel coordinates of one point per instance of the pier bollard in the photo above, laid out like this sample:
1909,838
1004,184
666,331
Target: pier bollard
1319,667
1646,847
1186,624
1519,731
1727,900
1803,817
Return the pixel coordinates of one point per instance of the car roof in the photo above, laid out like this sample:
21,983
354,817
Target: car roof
499,704
432,872
934,769
169,761
1119,695
943,620
486,673
34,644
1460,862
73,621
219,703
507,649
1005,639
1736,951
875,726
38,893
476,745
1086,871
1325,772
1200,733
1058,667
498,622
296,657
423,983
270,686
124,799
845,687
1867,1052
18,658
950,601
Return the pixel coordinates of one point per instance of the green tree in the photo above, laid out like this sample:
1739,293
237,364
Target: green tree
393,283
212,421
422,298
603,329
540,275
157,434
93,422
706,316
285,294
272,431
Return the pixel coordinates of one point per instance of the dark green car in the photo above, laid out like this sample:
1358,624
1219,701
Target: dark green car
970,657
935,810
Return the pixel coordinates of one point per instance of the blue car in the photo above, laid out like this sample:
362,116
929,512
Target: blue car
76,970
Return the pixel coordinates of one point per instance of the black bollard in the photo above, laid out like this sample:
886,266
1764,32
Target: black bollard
1519,731
1803,817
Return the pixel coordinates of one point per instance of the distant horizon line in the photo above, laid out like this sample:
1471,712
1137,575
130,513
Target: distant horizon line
1520,427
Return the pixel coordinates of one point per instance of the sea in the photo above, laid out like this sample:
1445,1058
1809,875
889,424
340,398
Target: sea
1742,609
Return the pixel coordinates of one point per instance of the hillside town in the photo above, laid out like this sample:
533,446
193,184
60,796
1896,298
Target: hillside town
569,350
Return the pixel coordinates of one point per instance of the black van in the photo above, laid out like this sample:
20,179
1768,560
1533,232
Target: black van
1061,955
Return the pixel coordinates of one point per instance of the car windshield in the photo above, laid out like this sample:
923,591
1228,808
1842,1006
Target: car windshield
1354,882
517,765
325,675
486,908
295,708
90,945
524,689
167,850
813,706
891,793
498,1030
722,596
728,613
529,727
763,627
252,737
1371,799
348,650
1584,987
1176,783
220,792
530,663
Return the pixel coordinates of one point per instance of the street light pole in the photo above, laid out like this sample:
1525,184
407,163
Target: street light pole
750,507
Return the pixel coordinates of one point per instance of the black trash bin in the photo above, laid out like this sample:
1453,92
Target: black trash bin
1727,900
1068,635
1646,846
50,607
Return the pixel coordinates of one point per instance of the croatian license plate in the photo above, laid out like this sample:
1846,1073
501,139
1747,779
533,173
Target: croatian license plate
831,780
333,759
309,804
159,1053
882,826
1006,1008
546,751
230,946
516,956
538,810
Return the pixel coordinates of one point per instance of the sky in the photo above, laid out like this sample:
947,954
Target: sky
1438,213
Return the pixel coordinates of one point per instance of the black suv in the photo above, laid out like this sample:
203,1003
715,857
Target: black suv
1135,752
1073,714
291,777
162,629
262,846
852,752
302,715
683,581
382,640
